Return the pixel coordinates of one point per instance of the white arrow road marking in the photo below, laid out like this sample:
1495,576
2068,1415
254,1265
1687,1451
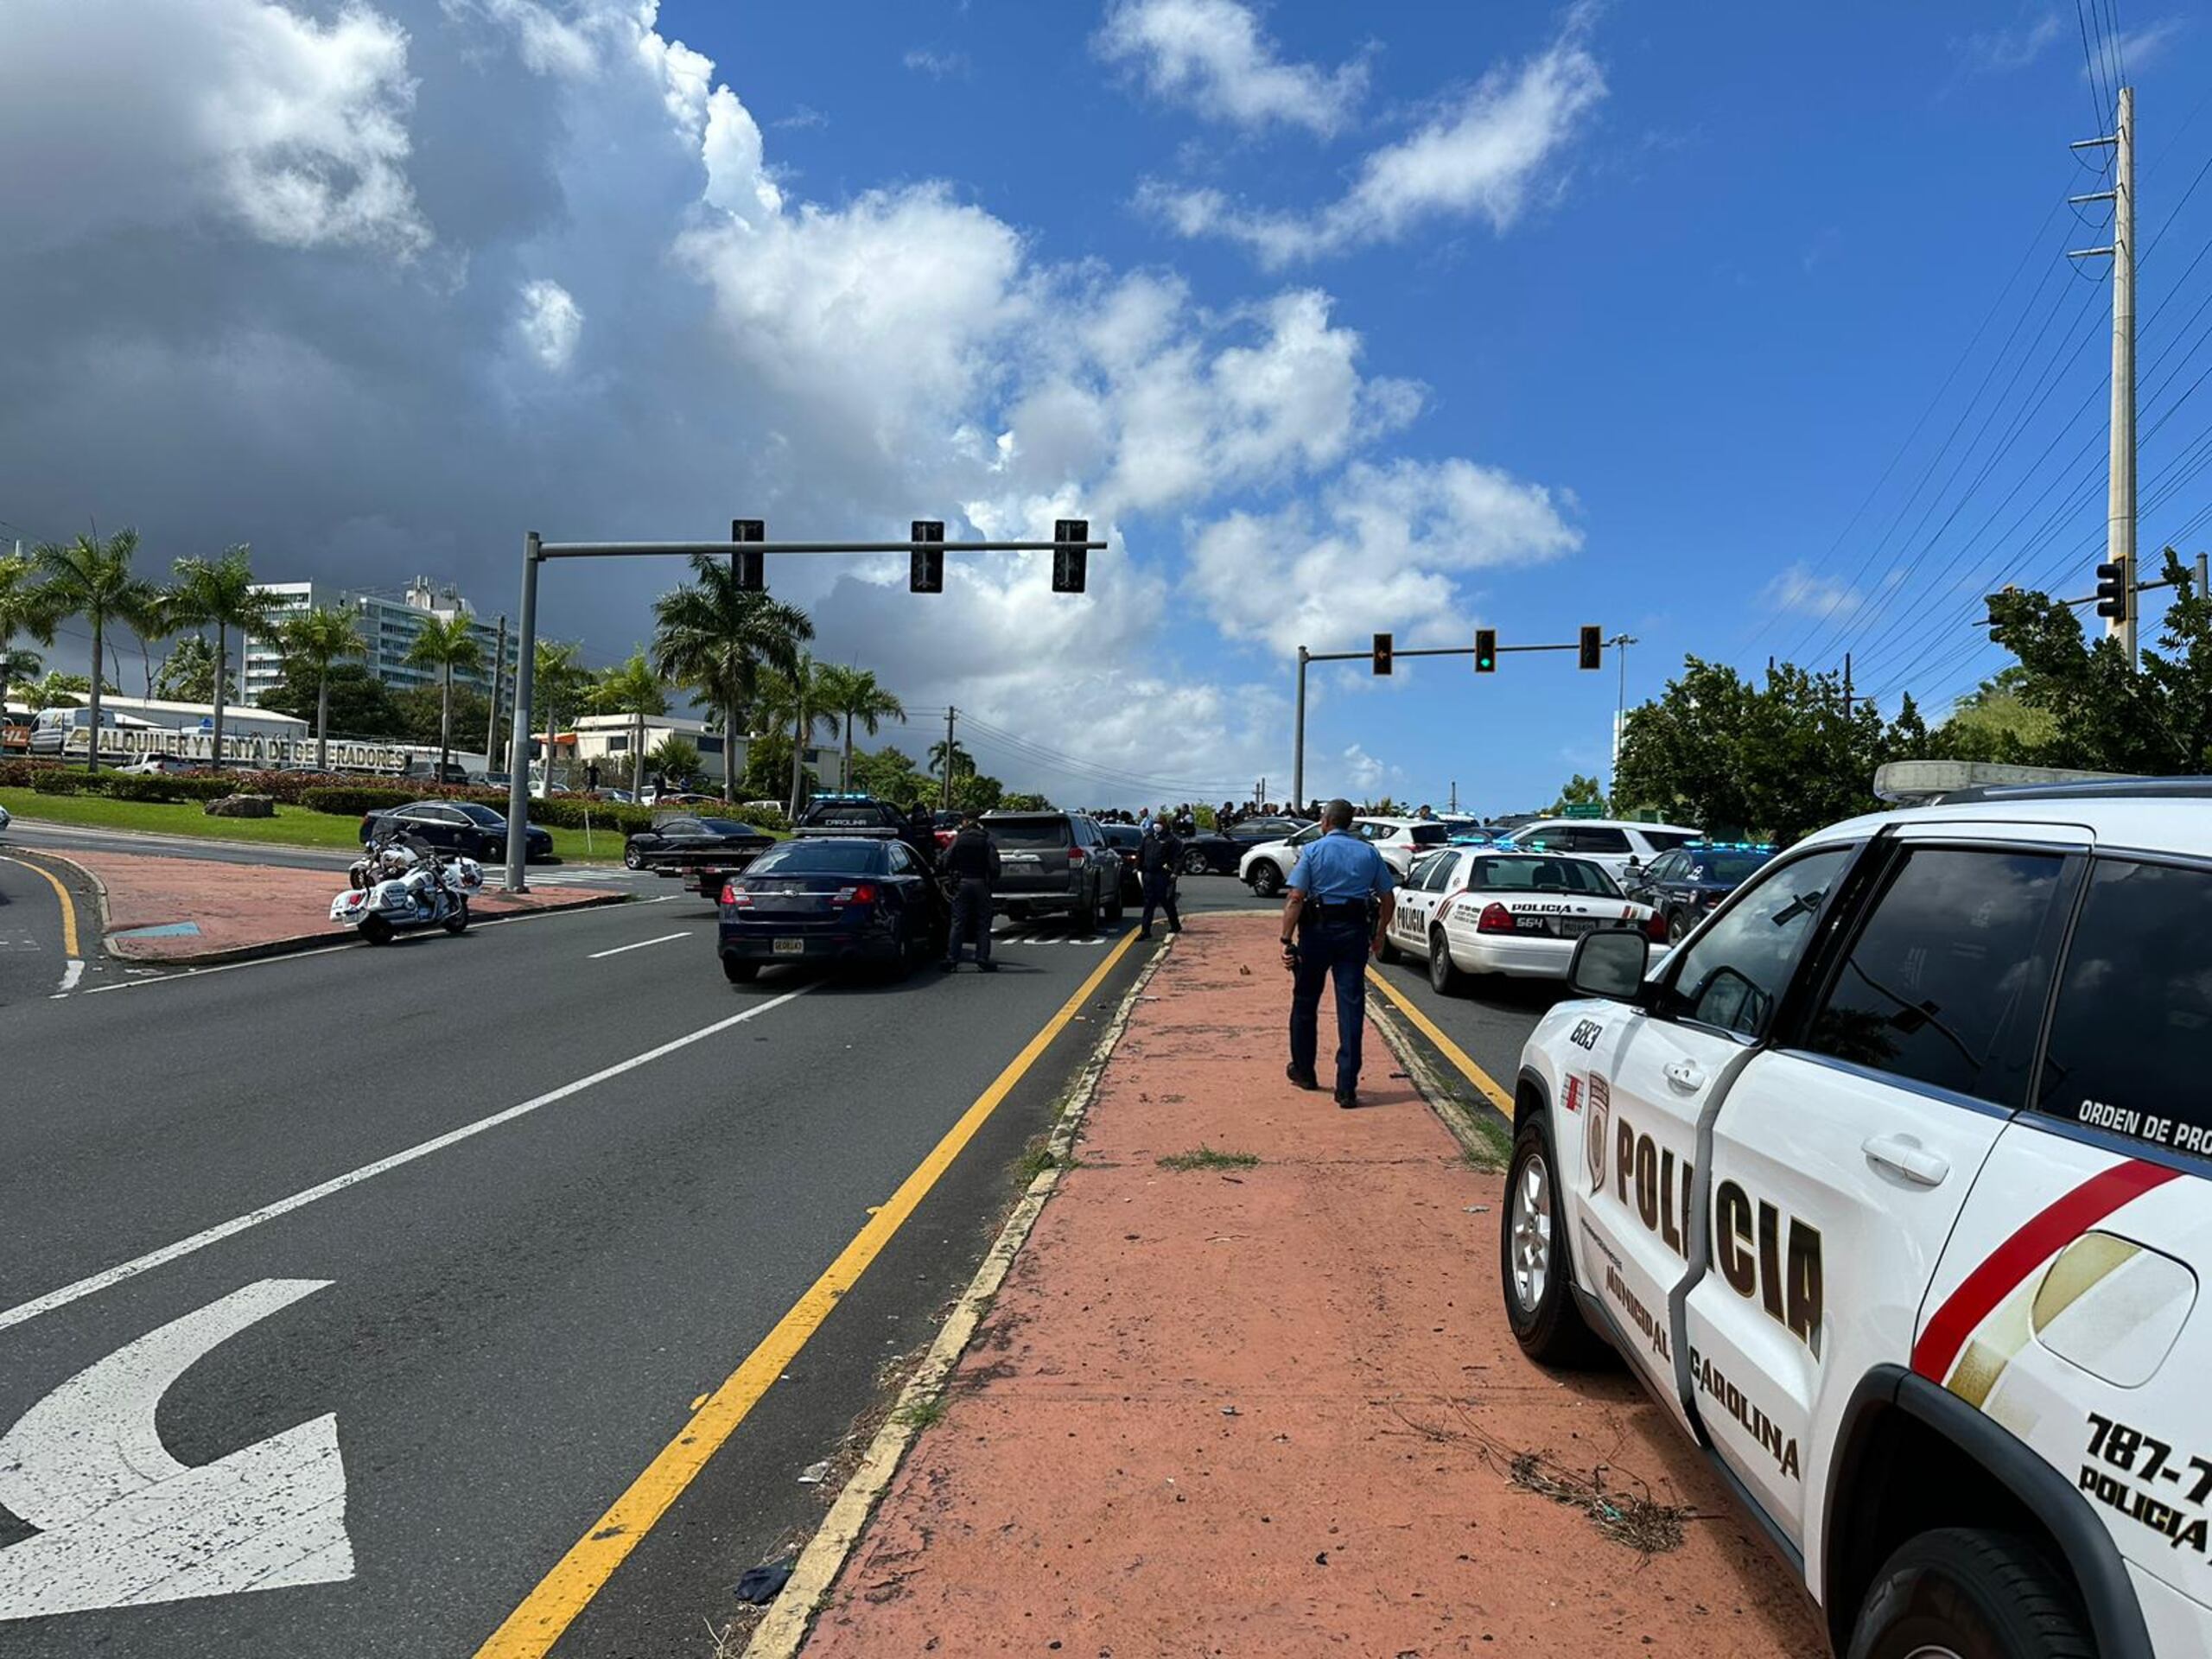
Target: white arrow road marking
122,1524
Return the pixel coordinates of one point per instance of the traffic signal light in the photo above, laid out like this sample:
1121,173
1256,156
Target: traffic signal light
1485,650
749,564
1381,653
1070,564
926,572
2112,589
1593,646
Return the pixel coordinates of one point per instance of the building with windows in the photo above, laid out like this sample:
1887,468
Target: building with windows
389,625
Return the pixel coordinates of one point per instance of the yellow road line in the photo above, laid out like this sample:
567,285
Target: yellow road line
1486,1084
532,1630
68,907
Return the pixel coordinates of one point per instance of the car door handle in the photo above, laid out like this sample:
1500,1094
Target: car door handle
1902,1155
1685,1077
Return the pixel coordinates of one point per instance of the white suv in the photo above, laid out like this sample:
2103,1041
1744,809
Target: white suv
1894,1184
1266,867
1620,844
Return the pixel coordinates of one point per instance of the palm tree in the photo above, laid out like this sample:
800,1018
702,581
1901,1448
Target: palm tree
313,641
90,577
219,593
795,700
19,614
634,690
714,638
446,643
854,695
559,681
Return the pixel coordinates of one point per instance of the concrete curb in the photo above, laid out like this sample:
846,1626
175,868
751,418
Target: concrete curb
98,886
1431,1086
791,1617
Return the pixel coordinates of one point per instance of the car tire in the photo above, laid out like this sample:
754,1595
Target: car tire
1113,911
1389,954
458,922
493,852
1977,1595
376,930
632,858
1536,1268
1675,927
1085,918
739,973
1267,878
1444,976
1196,863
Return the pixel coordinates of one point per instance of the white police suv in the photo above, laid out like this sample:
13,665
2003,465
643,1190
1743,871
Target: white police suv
1894,1183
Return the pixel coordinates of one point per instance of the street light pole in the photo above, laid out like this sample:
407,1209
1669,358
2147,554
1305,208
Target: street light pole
1620,642
525,687
1298,757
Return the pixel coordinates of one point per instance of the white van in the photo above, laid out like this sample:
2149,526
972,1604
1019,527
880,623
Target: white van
50,732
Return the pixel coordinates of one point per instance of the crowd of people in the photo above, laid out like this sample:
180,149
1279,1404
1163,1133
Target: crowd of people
1183,819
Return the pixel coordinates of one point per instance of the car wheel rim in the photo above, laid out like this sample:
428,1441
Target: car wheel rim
1440,961
1531,1243
1930,1650
1674,929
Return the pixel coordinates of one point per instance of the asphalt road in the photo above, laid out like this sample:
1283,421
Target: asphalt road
500,1334
34,958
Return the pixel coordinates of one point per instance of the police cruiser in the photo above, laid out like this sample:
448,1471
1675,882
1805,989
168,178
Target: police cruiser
1477,910
1894,1185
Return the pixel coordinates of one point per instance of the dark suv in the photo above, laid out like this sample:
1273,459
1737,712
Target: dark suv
1055,863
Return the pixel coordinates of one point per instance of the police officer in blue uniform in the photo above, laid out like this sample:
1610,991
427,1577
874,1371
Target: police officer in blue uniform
1330,921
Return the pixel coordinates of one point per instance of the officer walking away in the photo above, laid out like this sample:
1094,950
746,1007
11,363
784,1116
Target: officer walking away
972,863
1159,856
1329,926
919,833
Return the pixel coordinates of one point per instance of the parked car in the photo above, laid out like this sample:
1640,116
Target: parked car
1220,852
1894,1184
1683,885
4,819
1126,839
831,899
462,827
1477,910
1266,867
157,765
429,771
703,851
1625,846
850,811
1055,864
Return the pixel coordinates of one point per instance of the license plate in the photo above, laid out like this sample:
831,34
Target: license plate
791,947
1017,858
1574,926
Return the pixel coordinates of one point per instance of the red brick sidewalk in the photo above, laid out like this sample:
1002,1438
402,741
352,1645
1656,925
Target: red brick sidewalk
1274,1409
239,910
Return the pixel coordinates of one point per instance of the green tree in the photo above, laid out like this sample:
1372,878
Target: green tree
19,614
218,593
312,643
768,768
423,710
90,577
358,703
1032,803
56,690
977,792
889,774
561,685
633,688
446,642
676,759
793,702
188,673
854,697
714,638
1579,791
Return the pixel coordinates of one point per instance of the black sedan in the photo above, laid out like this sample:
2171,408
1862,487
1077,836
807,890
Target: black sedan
1126,839
1682,884
465,827
679,839
1220,852
831,899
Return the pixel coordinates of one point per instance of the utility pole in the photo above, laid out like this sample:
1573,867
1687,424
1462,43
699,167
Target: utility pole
949,716
1621,642
2120,515
1847,698
1455,797
498,680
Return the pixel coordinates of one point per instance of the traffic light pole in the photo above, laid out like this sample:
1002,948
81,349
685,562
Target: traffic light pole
2120,516
536,551
1304,657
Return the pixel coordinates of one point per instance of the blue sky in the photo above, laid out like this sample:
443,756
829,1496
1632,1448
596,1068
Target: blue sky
1411,316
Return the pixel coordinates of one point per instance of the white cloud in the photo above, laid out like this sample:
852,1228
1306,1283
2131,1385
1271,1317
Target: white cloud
2140,47
1386,550
2001,51
551,323
1212,57
1799,589
1482,157
731,148
938,63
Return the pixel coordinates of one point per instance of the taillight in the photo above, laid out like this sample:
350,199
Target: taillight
862,895
736,897
1495,918
1075,855
1656,927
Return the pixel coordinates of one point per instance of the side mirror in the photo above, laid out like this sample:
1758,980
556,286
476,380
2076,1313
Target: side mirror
1611,963
1634,863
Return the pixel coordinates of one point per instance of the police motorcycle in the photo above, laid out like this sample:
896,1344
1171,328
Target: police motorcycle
400,884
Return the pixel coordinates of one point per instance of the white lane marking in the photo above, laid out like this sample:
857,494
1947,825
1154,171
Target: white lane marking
122,1524
70,975
640,945
221,1231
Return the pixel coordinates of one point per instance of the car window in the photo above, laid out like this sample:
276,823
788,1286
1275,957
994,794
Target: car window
902,861
1666,839
1666,867
1417,875
1031,835
1733,975
1312,832
2134,1017
1589,838
679,826
826,857
1432,873
1533,872
1945,982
